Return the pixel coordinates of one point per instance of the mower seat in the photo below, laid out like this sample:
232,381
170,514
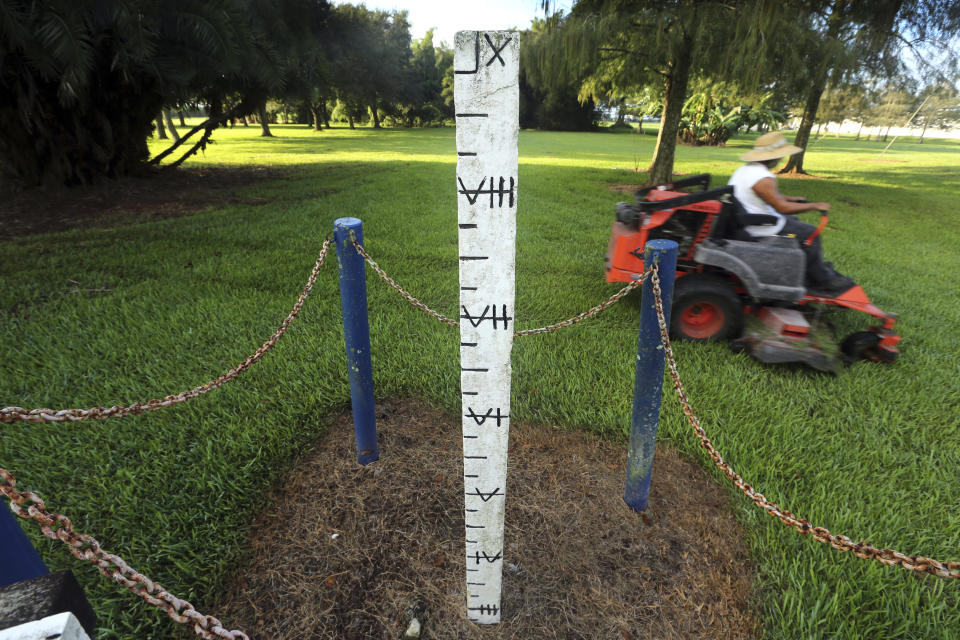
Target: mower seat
770,267
734,219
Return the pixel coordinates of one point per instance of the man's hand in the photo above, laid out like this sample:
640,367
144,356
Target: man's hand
820,206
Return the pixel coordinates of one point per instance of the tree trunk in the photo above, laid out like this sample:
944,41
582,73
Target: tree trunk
376,117
885,134
795,163
216,119
161,131
661,169
924,132
621,112
325,114
317,121
819,129
640,126
183,122
264,126
169,121
858,132
350,120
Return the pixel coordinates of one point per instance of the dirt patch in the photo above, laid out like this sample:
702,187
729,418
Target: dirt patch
624,188
130,200
349,552
631,188
793,175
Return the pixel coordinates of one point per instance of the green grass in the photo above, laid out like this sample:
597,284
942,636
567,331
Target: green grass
872,453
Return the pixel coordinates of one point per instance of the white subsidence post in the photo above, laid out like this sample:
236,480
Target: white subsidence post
487,98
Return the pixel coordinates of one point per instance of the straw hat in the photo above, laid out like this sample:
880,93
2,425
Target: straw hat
769,146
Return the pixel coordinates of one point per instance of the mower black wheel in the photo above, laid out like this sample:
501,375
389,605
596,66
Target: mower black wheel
705,308
859,345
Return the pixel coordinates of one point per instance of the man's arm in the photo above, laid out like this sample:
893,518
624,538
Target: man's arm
768,192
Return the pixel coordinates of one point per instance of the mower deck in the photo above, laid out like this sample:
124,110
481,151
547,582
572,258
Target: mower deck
784,335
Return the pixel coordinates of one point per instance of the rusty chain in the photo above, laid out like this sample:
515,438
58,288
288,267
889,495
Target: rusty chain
864,550
524,332
57,526
14,414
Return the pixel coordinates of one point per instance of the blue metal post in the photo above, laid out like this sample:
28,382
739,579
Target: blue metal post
648,382
18,559
356,333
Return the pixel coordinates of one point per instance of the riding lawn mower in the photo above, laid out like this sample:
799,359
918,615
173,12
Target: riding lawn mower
733,286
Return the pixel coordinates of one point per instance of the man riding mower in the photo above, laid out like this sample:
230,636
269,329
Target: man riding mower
731,284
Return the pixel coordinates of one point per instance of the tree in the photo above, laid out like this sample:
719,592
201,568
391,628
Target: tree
84,81
840,103
554,103
895,106
846,38
762,112
370,60
940,107
648,102
349,62
631,44
69,114
714,112
168,120
444,55
424,99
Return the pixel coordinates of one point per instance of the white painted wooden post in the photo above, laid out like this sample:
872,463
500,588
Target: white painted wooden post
487,99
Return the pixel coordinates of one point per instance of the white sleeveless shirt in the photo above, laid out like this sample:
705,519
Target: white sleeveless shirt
743,180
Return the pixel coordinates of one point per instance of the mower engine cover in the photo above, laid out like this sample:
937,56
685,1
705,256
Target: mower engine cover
770,268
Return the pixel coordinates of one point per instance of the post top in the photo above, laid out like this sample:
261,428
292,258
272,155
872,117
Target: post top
346,223
470,33
661,244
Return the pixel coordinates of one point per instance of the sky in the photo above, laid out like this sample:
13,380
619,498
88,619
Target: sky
450,16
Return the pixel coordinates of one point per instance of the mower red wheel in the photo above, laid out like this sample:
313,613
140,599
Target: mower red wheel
702,320
705,307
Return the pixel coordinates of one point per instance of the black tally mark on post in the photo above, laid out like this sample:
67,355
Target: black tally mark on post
496,51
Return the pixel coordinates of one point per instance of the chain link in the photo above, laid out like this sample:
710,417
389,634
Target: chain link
14,414
57,526
525,332
864,550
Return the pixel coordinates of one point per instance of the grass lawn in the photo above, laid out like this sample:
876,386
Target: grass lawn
872,453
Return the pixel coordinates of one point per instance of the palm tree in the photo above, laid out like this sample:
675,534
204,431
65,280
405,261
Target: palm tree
83,82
